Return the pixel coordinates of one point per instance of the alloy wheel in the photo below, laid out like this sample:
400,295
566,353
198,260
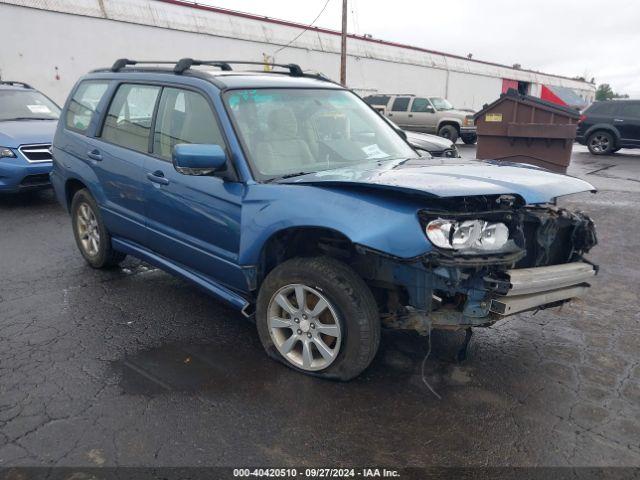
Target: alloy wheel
599,143
304,327
88,231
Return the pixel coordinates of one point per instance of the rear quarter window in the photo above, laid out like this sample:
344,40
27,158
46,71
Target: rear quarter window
377,99
83,104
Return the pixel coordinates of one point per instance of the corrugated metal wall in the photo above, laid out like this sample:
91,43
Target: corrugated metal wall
66,38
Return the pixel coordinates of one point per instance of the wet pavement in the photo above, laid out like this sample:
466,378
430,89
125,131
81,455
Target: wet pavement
135,367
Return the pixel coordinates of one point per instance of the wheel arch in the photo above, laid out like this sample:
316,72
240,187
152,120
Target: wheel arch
302,241
71,187
449,121
603,126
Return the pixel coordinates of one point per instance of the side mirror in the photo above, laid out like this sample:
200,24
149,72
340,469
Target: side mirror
430,110
196,159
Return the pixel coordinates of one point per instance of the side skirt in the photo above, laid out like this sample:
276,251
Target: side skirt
212,287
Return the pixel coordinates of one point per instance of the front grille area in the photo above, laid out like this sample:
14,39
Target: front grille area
447,153
37,153
555,237
35,180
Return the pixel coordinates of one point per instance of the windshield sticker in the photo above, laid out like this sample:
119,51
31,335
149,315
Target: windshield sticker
373,151
39,109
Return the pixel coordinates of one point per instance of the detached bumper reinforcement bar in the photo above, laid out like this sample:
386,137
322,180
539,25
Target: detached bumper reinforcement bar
541,279
520,303
534,287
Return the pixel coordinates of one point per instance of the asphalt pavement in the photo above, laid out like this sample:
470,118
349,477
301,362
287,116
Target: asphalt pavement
135,367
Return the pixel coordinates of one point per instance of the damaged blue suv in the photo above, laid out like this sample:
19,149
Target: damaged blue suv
287,197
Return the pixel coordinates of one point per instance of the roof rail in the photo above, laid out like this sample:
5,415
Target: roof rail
123,62
15,84
186,63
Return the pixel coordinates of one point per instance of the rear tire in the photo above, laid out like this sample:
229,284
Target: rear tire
295,335
601,143
92,237
450,132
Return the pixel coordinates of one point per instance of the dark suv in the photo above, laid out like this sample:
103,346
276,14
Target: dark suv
288,197
606,127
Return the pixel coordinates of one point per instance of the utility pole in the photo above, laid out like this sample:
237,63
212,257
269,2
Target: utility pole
343,48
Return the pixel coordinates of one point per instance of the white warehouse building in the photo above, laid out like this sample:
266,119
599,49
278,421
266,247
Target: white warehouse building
50,43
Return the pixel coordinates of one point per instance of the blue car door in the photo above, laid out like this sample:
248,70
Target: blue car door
192,220
118,154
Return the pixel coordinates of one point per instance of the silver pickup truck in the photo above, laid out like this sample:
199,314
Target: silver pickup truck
426,115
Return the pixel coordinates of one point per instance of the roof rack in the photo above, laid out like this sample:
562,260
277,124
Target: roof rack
124,62
15,84
185,64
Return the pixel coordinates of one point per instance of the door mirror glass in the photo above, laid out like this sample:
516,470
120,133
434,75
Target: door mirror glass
197,159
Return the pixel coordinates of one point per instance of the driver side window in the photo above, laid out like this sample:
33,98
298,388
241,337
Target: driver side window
421,105
184,117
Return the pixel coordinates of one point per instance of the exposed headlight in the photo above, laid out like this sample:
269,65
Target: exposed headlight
467,235
468,122
6,153
451,152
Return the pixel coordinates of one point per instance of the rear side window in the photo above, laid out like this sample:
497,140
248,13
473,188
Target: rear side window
184,117
83,104
400,104
603,108
420,105
630,110
128,122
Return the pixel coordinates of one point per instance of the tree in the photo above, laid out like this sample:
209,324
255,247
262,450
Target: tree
605,92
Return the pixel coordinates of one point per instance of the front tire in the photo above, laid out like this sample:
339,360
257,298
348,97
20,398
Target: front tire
92,238
469,139
601,143
317,316
449,132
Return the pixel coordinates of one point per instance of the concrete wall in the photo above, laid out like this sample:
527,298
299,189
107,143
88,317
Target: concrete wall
67,38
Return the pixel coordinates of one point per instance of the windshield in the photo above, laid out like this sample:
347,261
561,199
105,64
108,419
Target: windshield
441,104
26,105
293,131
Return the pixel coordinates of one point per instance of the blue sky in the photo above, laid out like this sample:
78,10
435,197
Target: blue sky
565,37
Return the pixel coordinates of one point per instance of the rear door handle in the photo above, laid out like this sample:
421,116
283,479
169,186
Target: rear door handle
94,155
158,177
410,116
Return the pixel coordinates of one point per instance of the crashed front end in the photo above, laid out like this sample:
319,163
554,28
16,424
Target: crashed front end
536,261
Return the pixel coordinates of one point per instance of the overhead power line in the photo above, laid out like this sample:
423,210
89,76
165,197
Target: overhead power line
305,29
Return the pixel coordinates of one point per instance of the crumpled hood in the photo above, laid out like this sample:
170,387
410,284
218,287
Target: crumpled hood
24,132
452,178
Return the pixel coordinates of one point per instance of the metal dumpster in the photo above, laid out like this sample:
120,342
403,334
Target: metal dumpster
524,129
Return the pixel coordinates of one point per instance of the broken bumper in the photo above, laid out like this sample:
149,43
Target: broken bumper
530,288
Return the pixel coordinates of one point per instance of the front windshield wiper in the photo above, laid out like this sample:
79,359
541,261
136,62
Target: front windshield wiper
288,175
26,118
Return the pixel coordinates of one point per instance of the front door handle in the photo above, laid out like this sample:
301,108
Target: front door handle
158,177
94,155
410,116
